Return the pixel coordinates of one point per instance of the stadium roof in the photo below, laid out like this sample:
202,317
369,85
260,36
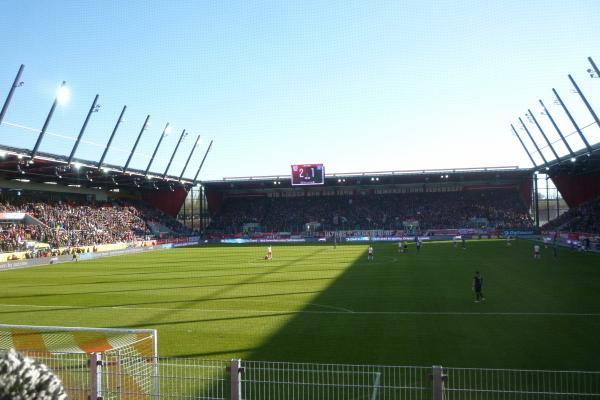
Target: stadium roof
584,161
16,164
378,178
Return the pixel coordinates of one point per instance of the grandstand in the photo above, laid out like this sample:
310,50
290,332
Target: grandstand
51,207
495,198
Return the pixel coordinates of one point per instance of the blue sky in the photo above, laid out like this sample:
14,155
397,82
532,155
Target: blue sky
358,86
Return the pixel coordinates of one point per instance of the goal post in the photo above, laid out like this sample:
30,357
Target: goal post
124,359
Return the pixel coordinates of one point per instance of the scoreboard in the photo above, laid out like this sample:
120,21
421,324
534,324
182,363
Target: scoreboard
308,174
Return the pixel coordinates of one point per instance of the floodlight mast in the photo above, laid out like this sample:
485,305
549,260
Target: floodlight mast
544,135
523,144
189,157
112,135
202,163
136,143
47,122
183,134
534,143
587,145
87,119
587,103
162,136
594,66
562,137
16,84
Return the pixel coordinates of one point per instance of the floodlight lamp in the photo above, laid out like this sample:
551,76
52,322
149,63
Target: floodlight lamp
547,168
63,95
76,165
573,159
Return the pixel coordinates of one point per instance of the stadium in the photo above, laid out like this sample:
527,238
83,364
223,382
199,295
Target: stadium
146,280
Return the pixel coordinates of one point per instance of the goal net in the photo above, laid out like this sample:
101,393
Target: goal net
125,358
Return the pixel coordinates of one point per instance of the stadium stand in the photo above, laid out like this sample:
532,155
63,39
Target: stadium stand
500,208
584,218
69,224
452,199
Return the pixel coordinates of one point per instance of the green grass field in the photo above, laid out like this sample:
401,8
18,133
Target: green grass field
317,303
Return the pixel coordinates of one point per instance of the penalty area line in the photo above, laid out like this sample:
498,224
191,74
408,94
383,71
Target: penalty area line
341,311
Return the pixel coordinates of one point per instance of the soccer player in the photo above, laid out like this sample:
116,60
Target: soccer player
269,253
478,287
546,241
454,244
464,242
536,251
400,247
370,253
418,244
507,240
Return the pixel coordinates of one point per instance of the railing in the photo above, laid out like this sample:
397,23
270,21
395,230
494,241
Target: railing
92,376
512,384
275,380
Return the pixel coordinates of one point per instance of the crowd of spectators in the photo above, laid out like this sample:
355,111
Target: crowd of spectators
585,218
435,210
68,224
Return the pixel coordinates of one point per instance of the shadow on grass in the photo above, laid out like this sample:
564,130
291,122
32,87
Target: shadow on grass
332,337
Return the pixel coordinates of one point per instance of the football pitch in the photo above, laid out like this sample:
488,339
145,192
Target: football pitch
314,303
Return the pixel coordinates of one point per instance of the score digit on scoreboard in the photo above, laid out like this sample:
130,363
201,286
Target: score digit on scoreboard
308,174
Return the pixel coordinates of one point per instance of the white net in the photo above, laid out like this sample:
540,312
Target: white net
128,355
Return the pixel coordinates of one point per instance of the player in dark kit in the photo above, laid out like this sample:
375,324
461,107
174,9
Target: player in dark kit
478,287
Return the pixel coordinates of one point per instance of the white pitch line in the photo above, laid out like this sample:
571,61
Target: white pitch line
346,311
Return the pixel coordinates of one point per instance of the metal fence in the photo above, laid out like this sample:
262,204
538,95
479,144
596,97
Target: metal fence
277,380
512,384
95,376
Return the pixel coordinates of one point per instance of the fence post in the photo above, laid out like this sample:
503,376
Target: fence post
95,376
438,378
236,382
